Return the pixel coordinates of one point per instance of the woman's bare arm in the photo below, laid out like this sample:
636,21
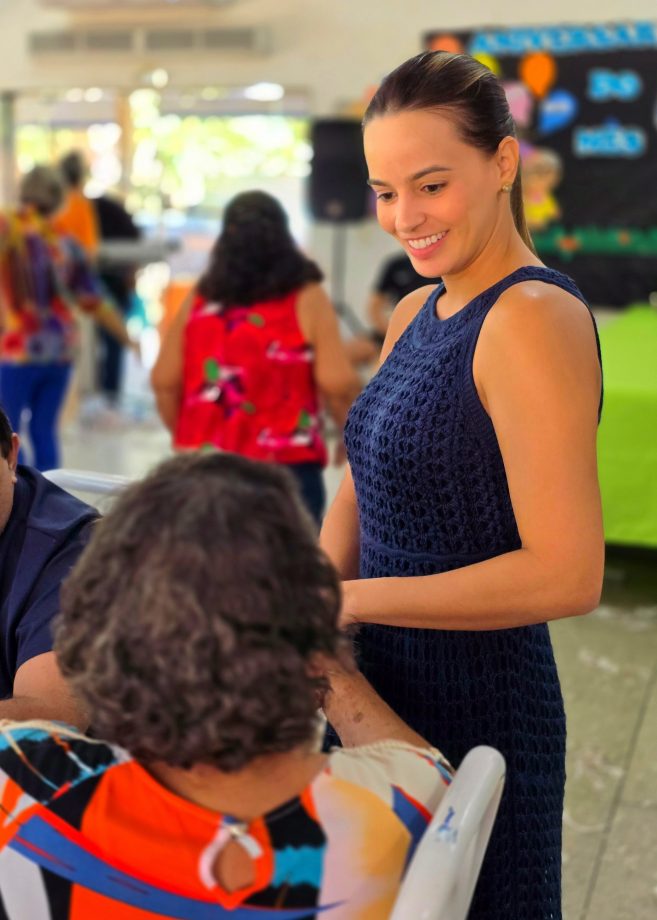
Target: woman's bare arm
340,534
336,379
167,373
107,316
537,371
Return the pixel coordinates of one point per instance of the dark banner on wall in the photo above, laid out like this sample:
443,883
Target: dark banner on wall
585,102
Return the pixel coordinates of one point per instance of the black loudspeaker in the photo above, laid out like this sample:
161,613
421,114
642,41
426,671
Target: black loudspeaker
338,178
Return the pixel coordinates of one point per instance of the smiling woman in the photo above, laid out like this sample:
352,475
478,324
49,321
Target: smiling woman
446,197
470,512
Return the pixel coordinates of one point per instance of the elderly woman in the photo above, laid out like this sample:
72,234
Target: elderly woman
44,278
198,629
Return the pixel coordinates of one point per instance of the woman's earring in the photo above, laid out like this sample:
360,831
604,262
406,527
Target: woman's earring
507,187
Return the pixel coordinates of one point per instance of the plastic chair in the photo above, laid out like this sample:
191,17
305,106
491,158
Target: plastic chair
441,878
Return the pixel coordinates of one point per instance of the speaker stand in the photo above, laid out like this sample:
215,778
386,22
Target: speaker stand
338,280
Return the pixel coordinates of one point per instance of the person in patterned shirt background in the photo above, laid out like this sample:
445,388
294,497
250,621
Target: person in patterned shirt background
44,278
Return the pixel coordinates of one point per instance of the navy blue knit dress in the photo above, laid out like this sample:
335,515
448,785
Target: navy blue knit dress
433,496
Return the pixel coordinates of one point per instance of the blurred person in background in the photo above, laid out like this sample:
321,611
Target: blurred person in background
396,279
77,216
256,348
200,628
542,171
90,222
44,277
115,223
43,531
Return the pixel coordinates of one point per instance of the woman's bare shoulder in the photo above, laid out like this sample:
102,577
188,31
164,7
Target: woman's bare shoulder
537,326
311,294
532,306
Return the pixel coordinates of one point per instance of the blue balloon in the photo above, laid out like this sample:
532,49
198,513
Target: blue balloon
557,111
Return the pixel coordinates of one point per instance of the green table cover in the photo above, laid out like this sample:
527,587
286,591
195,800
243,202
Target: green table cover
627,439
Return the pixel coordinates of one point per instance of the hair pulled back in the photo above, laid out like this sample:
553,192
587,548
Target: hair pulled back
73,169
457,86
255,258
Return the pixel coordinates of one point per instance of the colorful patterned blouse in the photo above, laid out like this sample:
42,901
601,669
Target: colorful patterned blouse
88,834
43,277
248,384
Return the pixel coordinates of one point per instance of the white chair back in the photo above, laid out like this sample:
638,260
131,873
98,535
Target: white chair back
87,481
441,878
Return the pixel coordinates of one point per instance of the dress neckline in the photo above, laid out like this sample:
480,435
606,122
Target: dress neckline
432,301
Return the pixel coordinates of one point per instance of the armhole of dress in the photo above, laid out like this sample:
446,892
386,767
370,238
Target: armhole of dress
294,298
602,372
185,334
474,408
572,288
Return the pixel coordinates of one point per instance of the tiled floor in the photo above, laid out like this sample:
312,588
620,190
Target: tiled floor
608,665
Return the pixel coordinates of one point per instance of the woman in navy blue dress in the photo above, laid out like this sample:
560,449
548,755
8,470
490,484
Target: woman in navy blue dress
470,513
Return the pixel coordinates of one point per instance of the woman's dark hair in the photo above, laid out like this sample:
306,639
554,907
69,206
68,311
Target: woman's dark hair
255,257
73,169
191,625
455,85
6,432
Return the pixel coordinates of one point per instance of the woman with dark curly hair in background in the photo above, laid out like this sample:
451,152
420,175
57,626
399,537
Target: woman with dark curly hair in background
198,630
255,349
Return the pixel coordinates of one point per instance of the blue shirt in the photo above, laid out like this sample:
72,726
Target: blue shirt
46,532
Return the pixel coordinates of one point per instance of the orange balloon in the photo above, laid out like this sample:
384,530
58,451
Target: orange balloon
538,71
446,43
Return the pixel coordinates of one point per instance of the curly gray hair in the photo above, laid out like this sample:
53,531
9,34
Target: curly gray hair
192,625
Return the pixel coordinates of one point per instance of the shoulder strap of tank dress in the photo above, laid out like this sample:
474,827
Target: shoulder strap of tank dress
535,273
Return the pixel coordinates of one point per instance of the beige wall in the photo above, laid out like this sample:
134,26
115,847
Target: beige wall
334,47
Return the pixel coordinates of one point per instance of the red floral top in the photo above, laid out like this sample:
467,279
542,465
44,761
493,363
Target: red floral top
248,383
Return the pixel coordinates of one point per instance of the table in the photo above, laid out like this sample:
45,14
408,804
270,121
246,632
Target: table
627,438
